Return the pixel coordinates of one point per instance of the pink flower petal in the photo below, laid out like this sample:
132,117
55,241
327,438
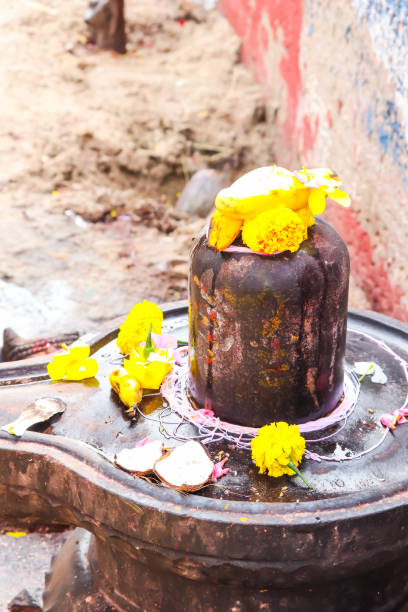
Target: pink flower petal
388,420
144,441
219,471
164,341
178,354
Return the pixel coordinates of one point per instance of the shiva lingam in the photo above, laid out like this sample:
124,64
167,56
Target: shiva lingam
250,541
268,334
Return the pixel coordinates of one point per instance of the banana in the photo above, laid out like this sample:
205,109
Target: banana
223,231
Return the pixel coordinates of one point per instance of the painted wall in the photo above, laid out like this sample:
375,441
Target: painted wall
335,75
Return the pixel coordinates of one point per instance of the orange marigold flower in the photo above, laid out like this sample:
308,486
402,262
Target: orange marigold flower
278,229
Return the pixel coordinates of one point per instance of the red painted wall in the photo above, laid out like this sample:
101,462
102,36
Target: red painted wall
313,62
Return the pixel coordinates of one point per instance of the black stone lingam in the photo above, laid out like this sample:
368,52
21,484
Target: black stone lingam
268,333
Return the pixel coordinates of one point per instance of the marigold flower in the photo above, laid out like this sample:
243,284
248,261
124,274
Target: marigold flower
272,187
136,326
278,229
277,446
74,365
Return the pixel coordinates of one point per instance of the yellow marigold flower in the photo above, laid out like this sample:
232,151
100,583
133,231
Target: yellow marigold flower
74,365
151,371
276,447
223,230
279,229
306,217
273,188
136,325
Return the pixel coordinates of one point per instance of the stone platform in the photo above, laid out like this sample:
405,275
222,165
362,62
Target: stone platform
248,542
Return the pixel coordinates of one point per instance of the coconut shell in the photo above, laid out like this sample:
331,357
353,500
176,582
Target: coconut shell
187,468
140,461
38,411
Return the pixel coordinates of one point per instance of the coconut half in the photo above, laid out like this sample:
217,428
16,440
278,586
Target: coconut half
140,460
187,468
39,411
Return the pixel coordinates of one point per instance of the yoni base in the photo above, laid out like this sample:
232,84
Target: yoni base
93,575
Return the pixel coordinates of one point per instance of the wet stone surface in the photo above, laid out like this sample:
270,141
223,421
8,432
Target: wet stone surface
95,416
224,545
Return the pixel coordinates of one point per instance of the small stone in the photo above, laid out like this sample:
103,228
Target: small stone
197,197
26,601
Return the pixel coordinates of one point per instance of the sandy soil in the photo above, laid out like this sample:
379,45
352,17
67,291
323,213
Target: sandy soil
96,147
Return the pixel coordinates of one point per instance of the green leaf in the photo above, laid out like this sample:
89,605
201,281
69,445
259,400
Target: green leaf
148,348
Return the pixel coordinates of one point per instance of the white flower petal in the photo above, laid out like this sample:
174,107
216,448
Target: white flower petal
369,368
379,376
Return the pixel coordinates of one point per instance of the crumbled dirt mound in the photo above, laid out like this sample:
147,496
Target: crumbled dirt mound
96,147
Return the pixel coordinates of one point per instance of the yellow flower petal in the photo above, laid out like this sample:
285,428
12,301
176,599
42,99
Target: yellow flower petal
223,231
79,352
156,371
306,217
317,201
255,192
79,370
295,199
58,366
339,196
150,375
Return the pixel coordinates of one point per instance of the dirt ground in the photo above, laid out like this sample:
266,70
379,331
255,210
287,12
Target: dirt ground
96,147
